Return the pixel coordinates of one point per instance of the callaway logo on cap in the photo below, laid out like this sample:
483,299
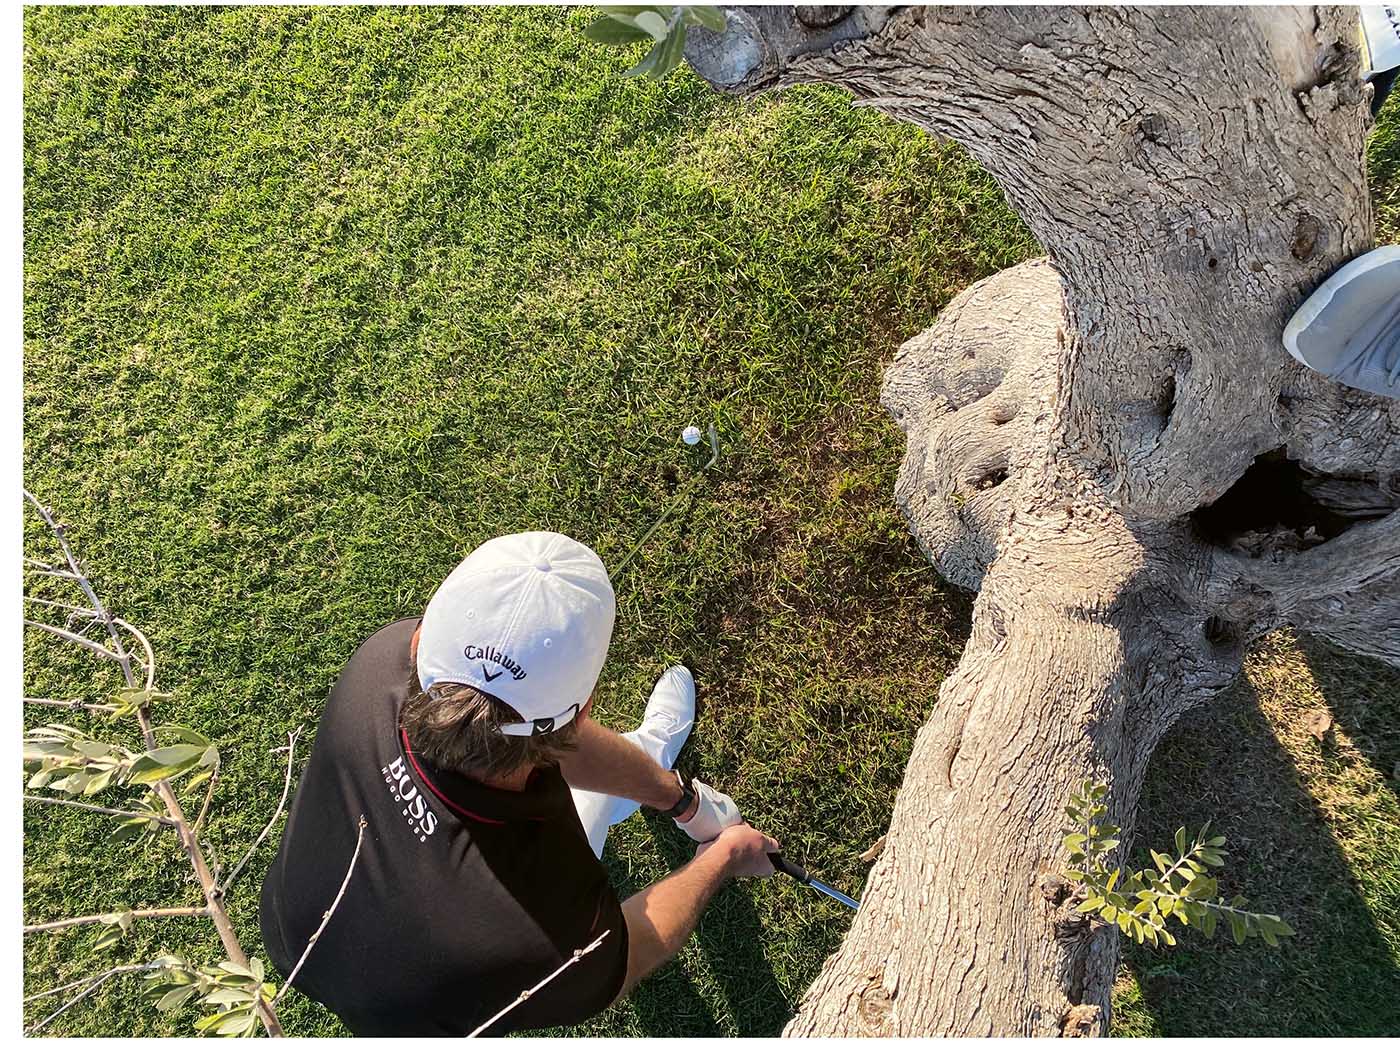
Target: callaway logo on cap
527,619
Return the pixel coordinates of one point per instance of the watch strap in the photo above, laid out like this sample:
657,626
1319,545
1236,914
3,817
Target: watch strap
687,797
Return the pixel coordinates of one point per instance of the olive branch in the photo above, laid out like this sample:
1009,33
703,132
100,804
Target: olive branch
1179,885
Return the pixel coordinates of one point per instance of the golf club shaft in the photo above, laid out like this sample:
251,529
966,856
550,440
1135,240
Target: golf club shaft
799,872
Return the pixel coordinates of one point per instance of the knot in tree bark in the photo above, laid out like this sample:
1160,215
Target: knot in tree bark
875,1005
1080,1021
821,17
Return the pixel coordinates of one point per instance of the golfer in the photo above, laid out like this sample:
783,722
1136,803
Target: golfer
464,739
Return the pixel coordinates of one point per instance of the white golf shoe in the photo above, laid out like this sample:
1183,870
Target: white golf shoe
669,716
1349,328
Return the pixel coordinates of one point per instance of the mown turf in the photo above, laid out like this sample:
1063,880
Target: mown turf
317,299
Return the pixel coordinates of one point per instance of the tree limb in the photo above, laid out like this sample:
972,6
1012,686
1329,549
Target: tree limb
88,979
163,820
90,919
286,787
71,705
526,995
95,981
325,918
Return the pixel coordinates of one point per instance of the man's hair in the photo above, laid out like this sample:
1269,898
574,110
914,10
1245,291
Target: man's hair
457,727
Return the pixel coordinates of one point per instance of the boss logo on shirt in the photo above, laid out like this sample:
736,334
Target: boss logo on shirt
405,792
495,656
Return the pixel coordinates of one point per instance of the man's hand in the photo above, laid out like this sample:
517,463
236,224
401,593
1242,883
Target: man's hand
745,849
714,811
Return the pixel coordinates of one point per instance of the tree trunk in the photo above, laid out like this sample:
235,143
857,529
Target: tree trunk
1111,445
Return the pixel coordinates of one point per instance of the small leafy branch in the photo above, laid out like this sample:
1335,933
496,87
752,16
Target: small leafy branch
1179,886
76,763
665,27
231,990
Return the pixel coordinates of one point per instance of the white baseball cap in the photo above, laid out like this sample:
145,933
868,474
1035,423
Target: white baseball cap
527,619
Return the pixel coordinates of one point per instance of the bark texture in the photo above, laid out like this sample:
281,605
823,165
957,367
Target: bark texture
1111,445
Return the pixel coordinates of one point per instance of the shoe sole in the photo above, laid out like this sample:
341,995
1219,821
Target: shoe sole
1321,298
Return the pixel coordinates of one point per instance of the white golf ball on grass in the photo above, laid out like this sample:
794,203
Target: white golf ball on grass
690,436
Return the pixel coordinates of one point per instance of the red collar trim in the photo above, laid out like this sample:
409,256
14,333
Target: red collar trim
434,789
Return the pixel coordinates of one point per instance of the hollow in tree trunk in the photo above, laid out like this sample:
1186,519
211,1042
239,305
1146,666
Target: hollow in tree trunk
1110,445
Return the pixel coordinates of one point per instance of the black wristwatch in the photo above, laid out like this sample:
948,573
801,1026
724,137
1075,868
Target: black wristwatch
687,797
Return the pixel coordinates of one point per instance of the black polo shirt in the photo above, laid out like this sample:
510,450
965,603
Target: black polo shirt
463,895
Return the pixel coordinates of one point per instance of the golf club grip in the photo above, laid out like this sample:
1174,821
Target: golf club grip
788,867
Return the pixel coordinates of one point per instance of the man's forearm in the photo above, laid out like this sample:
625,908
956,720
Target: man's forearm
662,916
603,761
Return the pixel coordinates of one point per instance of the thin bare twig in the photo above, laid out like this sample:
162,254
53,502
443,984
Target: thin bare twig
165,820
88,979
325,918
145,645
89,919
71,705
86,611
97,981
227,883
208,796
526,995
63,633
57,529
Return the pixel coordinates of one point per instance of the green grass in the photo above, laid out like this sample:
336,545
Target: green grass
317,299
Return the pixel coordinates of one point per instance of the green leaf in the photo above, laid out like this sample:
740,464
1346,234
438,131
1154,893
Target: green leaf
1090,905
614,30
647,64
176,753
652,24
129,830
165,762
672,52
1216,842
1180,840
98,782
228,996
238,1025
1209,920
73,784
1237,926
174,998
1075,842
707,15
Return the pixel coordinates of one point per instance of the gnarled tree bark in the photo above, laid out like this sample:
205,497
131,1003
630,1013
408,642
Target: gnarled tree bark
1110,445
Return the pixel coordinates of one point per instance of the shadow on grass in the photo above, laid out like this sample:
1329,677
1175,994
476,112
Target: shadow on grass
1361,695
1286,836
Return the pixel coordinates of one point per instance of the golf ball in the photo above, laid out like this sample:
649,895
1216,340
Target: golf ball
691,436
